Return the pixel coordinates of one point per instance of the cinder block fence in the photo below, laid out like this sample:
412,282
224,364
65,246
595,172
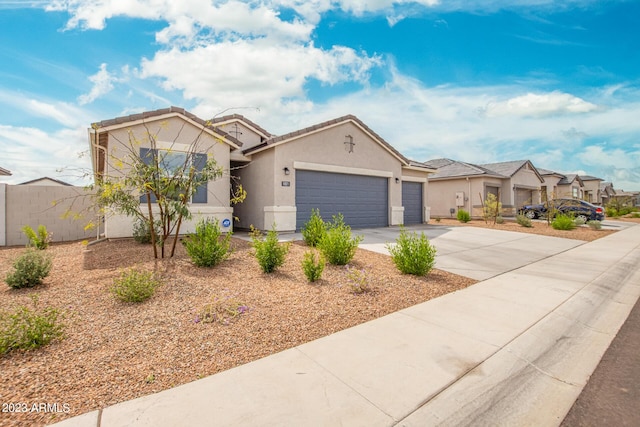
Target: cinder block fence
22,205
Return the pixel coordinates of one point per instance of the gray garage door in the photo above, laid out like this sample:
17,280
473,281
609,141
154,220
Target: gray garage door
363,200
412,202
523,197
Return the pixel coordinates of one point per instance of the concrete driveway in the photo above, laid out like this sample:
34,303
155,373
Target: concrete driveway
474,252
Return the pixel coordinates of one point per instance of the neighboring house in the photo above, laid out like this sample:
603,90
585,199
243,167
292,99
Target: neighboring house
459,185
592,192
571,187
549,189
175,131
607,192
45,181
339,166
627,198
4,172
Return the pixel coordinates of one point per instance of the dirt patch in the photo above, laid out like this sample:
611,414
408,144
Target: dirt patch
115,352
538,227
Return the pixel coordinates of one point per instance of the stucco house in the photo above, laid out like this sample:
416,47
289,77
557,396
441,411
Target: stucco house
459,185
607,192
338,166
176,131
591,190
571,187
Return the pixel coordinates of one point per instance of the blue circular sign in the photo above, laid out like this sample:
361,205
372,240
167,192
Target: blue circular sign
226,222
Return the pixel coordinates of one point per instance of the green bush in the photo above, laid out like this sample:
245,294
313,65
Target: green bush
30,268
314,229
142,231
523,221
206,247
268,251
338,246
29,328
463,216
596,225
312,268
635,215
39,240
579,221
563,222
412,253
135,285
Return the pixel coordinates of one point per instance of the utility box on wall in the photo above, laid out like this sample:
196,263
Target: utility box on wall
459,199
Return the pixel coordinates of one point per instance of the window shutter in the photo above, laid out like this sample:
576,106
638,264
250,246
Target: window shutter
146,154
200,195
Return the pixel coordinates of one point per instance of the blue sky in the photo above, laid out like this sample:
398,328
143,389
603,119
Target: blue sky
555,82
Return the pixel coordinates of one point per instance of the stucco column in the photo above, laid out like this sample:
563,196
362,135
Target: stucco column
3,214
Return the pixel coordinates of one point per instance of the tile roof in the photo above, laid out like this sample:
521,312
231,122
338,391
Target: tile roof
569,178
447,168
301,132
5,172
506,168
240,117
161,112
590,178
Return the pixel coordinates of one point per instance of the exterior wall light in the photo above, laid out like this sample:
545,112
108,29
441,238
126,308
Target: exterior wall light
286,170
397,180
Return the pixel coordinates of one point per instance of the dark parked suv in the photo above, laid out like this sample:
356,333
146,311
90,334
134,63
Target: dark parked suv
576,208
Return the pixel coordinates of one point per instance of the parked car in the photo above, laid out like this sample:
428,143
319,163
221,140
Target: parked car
576,208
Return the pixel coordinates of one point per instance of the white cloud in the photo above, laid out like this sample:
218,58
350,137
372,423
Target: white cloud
254,73
102,84
536,105
48,110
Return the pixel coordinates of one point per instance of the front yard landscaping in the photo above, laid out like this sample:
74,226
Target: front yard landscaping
115,351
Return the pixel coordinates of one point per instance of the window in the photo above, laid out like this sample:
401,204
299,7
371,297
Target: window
170,163
574,192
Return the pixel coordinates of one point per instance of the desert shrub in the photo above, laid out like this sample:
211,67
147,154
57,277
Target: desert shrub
610,211
437,219
28,328
39,239
337,245
29,269
312,268
492,208
523,221
635,215
412,253
314,229
207,247
358,280
499,220
563,222
135,285
142,231
579,221
268,251
596,225
221,310
463,216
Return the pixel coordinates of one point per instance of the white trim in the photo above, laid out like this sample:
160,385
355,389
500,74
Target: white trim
3,214
284,218
420,169
151,119
413,179
341,169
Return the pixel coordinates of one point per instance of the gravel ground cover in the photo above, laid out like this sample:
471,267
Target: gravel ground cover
538,227
115,351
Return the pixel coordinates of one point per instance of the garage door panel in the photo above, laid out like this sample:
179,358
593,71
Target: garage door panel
363,200
412,202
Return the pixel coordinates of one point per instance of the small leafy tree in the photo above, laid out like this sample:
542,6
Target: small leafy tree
156,185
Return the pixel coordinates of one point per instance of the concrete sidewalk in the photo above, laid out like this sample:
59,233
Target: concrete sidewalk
513,350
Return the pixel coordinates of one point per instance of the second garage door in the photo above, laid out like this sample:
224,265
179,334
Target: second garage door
363,200
412,202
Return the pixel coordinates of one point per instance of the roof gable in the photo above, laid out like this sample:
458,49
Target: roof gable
162,114
511,168
447,168
292,136
4,172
